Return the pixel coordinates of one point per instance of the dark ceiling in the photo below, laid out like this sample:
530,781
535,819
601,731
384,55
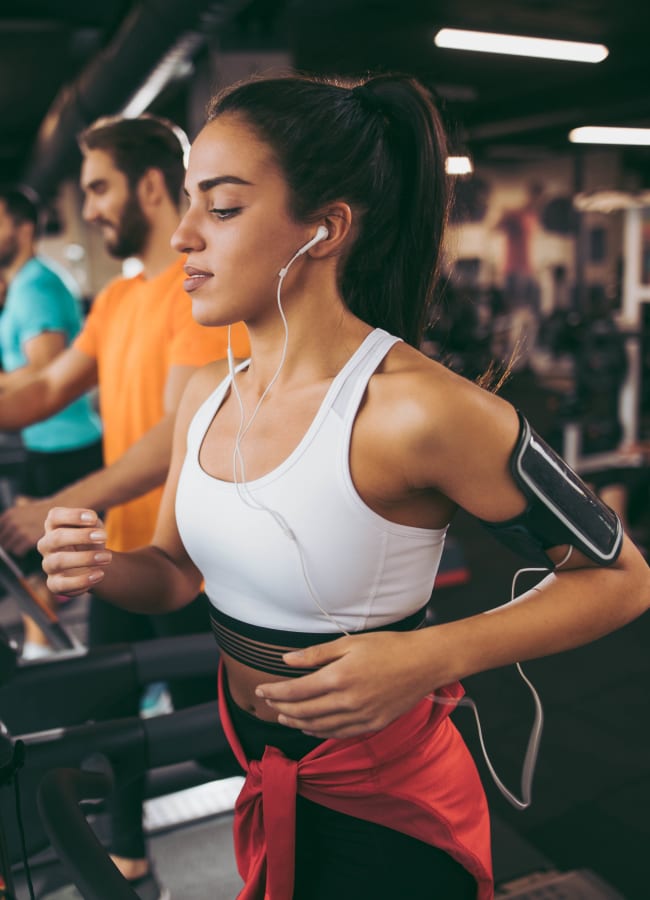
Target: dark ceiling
64,62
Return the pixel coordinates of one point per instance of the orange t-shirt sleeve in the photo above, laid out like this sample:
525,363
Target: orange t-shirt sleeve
88,338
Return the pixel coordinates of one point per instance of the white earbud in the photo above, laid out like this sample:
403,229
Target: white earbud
321,234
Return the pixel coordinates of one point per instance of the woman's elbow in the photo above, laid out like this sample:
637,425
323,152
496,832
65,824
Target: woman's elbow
635,589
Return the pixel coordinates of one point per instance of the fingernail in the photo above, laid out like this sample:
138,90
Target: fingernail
296,654
97,535
259,692
102,557
282,719
95,576
87,517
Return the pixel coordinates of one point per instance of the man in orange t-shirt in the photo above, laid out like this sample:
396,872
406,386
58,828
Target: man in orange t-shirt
139,346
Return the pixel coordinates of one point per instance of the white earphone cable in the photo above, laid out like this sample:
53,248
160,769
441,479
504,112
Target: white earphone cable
238,464
534,739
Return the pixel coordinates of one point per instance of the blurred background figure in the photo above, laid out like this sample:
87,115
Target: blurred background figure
521,294
41,316
3,289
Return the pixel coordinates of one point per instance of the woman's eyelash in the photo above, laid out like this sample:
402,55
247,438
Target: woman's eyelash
226,213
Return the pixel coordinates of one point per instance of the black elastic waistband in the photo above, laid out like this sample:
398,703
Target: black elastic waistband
262,648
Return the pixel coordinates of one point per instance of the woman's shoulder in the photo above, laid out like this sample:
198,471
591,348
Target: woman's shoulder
408,375
427,400
202,384
446,432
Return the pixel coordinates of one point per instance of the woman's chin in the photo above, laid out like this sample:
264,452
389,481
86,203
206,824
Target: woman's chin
210,318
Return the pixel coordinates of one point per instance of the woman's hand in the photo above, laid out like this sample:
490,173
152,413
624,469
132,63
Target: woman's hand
73,550
363,683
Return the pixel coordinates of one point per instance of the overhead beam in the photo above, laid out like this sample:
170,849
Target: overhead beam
150,32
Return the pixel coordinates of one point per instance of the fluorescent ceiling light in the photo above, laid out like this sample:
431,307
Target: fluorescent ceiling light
176,64
458,165
595,134
515,45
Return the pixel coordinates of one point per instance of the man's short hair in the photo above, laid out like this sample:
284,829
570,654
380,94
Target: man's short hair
20,205
136,145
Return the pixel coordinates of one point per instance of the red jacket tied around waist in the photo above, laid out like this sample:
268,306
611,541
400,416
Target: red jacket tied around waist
415,776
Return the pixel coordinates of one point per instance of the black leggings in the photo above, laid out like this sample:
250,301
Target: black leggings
342,857
46,473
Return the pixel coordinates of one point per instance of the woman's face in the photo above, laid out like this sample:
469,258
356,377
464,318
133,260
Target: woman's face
237,231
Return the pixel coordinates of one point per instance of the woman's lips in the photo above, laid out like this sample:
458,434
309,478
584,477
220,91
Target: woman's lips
195,278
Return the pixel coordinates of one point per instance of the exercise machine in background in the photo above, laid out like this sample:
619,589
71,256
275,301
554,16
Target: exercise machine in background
51,710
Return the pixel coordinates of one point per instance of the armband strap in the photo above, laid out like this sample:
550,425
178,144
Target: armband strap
561,508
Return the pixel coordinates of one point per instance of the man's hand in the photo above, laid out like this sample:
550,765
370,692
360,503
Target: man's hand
23,524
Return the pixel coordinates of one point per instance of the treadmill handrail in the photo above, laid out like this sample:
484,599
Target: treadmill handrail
87,862
29,603
71,687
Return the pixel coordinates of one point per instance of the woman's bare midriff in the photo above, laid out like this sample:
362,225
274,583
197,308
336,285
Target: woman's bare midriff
242,682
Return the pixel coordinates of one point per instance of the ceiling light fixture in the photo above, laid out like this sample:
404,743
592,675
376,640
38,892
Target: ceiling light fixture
175,64
596,134
519,45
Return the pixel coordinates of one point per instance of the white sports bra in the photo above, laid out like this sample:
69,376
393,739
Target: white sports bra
366,571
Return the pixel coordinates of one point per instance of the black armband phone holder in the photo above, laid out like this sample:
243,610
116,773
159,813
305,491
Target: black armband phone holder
561,508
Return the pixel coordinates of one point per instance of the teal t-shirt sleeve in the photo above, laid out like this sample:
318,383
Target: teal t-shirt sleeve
41,311
38,301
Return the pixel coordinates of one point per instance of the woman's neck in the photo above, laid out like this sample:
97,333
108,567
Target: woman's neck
318,346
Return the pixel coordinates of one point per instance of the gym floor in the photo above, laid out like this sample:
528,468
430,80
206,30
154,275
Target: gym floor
591,791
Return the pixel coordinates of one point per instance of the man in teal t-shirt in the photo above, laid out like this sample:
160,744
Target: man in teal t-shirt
38,302
40,318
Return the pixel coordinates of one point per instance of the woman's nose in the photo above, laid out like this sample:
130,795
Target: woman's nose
186,237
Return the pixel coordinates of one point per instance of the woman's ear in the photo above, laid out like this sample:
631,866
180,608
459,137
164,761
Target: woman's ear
337,218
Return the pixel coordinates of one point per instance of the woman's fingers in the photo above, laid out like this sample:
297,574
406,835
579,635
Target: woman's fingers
70,559
60,516
74,581
79,538
65,526
73,550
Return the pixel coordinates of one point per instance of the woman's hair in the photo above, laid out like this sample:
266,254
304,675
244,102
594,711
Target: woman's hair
379,146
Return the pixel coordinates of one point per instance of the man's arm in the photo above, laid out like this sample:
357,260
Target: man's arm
39,351
47,390
143,467
157,578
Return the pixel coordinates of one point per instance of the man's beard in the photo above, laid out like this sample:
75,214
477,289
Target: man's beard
8,252
132,231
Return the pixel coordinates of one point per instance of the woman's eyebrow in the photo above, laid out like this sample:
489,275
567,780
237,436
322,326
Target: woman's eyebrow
209,183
